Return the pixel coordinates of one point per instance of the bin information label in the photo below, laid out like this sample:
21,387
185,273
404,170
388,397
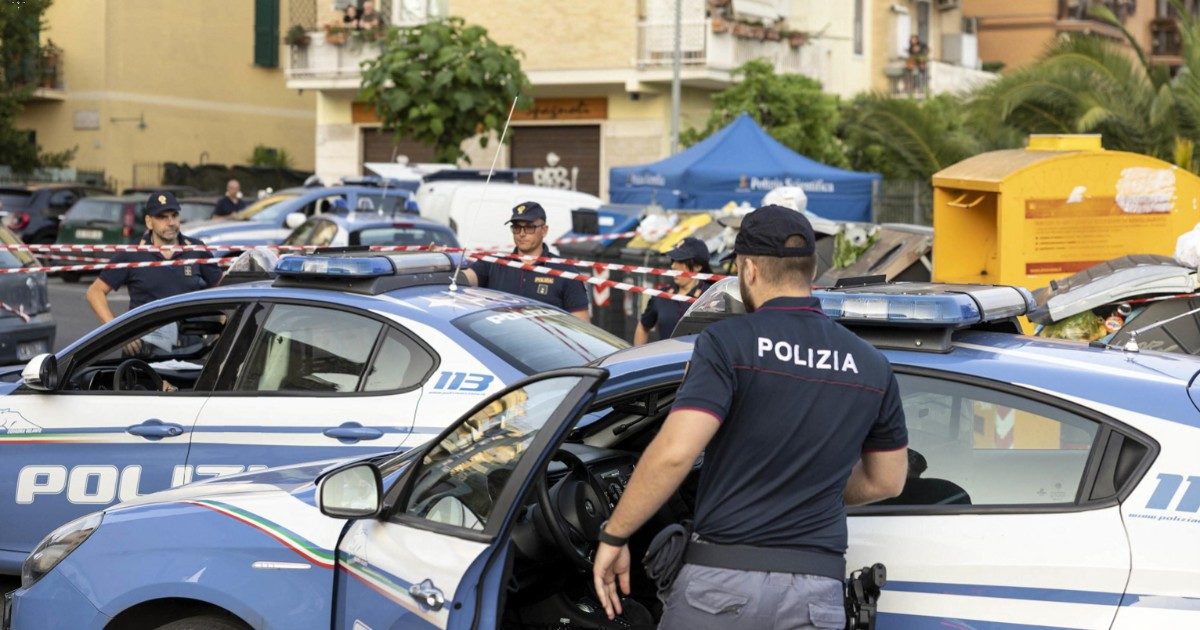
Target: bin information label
1062,237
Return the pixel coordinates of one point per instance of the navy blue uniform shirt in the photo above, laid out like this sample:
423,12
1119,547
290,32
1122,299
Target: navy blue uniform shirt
569,295
154,283
227,206
799,398
665,312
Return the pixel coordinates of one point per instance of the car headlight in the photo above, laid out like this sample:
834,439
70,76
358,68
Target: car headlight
57,546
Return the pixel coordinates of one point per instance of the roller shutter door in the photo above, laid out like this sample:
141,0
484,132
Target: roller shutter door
577,147
378,146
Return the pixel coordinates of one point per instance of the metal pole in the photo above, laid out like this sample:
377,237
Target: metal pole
675,67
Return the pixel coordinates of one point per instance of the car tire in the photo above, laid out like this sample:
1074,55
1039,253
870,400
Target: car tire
206,622
70,277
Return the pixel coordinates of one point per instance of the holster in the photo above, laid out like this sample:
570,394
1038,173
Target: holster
664,557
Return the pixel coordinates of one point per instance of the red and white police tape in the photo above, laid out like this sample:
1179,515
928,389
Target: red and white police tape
19,312
132,265
571,275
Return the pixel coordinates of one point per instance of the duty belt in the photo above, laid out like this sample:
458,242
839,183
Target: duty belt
765,559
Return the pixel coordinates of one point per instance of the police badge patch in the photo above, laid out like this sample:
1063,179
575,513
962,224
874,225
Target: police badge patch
543,289
188,270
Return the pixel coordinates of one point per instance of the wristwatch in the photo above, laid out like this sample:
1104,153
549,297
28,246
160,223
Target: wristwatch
609,539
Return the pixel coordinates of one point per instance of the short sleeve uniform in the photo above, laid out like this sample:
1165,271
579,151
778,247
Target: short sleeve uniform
569,295
665,312
799,399
147,284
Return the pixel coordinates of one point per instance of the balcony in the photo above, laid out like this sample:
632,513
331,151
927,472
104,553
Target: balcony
1166,42
943,78
42,73
711,49
322,65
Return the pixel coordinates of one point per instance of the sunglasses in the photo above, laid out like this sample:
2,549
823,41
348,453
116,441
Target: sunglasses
527,229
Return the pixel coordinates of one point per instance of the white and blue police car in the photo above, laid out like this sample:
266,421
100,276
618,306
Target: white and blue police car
1053,485
341,354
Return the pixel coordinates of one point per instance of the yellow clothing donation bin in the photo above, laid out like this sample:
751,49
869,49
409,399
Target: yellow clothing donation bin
1028,216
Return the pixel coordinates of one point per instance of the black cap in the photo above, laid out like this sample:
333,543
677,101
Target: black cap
690,248
528,211
160,202
765,230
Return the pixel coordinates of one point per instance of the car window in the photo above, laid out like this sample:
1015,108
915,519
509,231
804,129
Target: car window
323,233
402,235
462,476
975,445
300,235
309,349
266,209
192,211
536,338
383,204
400,364
15,199
94,210
177,347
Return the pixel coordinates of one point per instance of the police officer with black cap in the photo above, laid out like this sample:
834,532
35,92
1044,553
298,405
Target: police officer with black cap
690,255
797,418
147,284
528,224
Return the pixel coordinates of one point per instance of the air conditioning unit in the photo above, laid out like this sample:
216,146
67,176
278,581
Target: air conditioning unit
946,5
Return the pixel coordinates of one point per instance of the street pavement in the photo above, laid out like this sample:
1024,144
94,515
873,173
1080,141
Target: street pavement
72,313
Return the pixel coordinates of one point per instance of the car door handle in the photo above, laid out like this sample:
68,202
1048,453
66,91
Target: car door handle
428,595
155,429
349,432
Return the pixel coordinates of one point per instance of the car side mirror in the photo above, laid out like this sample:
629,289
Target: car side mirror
294,220
41,373
355,491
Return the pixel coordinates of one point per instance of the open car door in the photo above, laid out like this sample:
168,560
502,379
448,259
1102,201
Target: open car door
435,554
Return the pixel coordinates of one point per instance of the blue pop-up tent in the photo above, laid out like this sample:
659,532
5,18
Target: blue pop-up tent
742,163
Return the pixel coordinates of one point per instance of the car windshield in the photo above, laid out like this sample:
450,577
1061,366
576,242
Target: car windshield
94,210
10,258
537,338
267,209
14,199
402,235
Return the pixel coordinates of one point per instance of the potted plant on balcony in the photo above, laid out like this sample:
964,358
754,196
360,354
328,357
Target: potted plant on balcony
51,55
797,39
335,34
719,24
297,36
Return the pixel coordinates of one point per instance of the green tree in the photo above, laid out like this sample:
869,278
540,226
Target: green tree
264,155
791,107
19,26
441,83
1086,84
907,139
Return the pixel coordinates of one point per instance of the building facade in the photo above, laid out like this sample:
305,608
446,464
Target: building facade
142,82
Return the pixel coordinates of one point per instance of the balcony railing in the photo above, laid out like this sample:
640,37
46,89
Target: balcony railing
723,50
939,77
40,72
332,64
1165,38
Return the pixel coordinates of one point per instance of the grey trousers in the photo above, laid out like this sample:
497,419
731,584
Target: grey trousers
706,597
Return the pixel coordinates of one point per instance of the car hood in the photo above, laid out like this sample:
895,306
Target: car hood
241,232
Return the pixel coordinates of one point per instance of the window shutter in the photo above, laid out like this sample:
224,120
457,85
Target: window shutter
266,33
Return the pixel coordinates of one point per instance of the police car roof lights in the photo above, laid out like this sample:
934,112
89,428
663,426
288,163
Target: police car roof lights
913,315
362,272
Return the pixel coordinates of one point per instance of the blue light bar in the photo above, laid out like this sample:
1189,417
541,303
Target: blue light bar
925,310
342,266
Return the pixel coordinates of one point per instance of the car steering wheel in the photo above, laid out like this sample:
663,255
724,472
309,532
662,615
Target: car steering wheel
127,368
574,509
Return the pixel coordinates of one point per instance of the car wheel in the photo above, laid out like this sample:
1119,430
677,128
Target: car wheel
206,622
70,277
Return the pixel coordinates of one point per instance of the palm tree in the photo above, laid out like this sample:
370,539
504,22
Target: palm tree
906,139
1085,84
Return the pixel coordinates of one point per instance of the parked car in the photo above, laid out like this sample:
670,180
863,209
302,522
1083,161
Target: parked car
1052,484
339,354
180,190
26,326
32,211
357,229
269,220
196,209
102,220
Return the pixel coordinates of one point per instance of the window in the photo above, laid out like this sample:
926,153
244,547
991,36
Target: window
461,478
266,33
536,338
923,22
402,235
309,349
323,233
858,27
301,235
973,445
400,364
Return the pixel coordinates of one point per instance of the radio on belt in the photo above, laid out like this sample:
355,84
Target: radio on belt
359,271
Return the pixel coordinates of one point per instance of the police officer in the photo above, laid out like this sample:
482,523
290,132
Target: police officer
691,254
230,202
147,284
797,418
528,224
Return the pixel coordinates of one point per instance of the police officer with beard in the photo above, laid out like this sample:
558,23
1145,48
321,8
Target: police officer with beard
797,418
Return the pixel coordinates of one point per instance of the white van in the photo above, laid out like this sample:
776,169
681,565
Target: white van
477,210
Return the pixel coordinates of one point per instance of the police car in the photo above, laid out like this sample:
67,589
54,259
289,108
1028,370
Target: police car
1052,485
341,354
